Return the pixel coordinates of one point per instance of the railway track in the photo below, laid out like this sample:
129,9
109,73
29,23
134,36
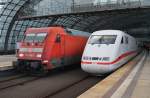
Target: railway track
52,85
15,81
21,79
70,88
62,89
7,78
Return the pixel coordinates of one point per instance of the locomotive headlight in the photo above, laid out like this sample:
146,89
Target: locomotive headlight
45,61
39,55
21,55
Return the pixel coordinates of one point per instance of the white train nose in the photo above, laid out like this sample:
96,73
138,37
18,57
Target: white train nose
96,69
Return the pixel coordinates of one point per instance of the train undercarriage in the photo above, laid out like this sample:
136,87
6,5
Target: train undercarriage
30,67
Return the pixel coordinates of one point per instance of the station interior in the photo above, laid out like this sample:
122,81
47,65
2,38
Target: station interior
129,16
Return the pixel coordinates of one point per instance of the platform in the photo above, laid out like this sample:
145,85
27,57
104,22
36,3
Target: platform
6,62
130,81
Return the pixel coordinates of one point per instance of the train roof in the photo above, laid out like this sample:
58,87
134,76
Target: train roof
108,32
67,30
77,32
36,30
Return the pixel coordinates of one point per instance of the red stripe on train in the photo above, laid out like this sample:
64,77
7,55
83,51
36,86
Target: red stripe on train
108,63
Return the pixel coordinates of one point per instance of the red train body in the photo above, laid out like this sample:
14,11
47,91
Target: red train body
50,47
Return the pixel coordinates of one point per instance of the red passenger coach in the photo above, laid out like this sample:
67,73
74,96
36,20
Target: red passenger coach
43,49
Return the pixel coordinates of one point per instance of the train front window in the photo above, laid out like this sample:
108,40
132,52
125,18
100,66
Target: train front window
103,39
40,37
29,37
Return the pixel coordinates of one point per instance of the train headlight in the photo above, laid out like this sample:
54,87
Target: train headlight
45,61
21,55
39,55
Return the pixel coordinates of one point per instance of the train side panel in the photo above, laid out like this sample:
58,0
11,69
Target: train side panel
74,46
127,49
68,51
53,51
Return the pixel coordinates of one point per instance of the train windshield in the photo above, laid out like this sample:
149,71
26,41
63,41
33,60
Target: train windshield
29,37
40,37
102,39
33,37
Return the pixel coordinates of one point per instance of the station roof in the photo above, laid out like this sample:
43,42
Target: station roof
133,20
131,16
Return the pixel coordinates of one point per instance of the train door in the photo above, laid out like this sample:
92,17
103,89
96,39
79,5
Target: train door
60,40
62,53
127,43
123,45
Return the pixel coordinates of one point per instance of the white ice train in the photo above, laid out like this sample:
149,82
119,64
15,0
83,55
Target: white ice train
107,50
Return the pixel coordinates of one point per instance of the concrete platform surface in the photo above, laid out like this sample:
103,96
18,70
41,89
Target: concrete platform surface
6,62
130,81
142,84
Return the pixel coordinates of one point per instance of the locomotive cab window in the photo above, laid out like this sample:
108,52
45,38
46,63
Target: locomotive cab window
103,39
29,37
40,37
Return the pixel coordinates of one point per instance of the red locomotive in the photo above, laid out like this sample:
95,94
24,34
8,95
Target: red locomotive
46,48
